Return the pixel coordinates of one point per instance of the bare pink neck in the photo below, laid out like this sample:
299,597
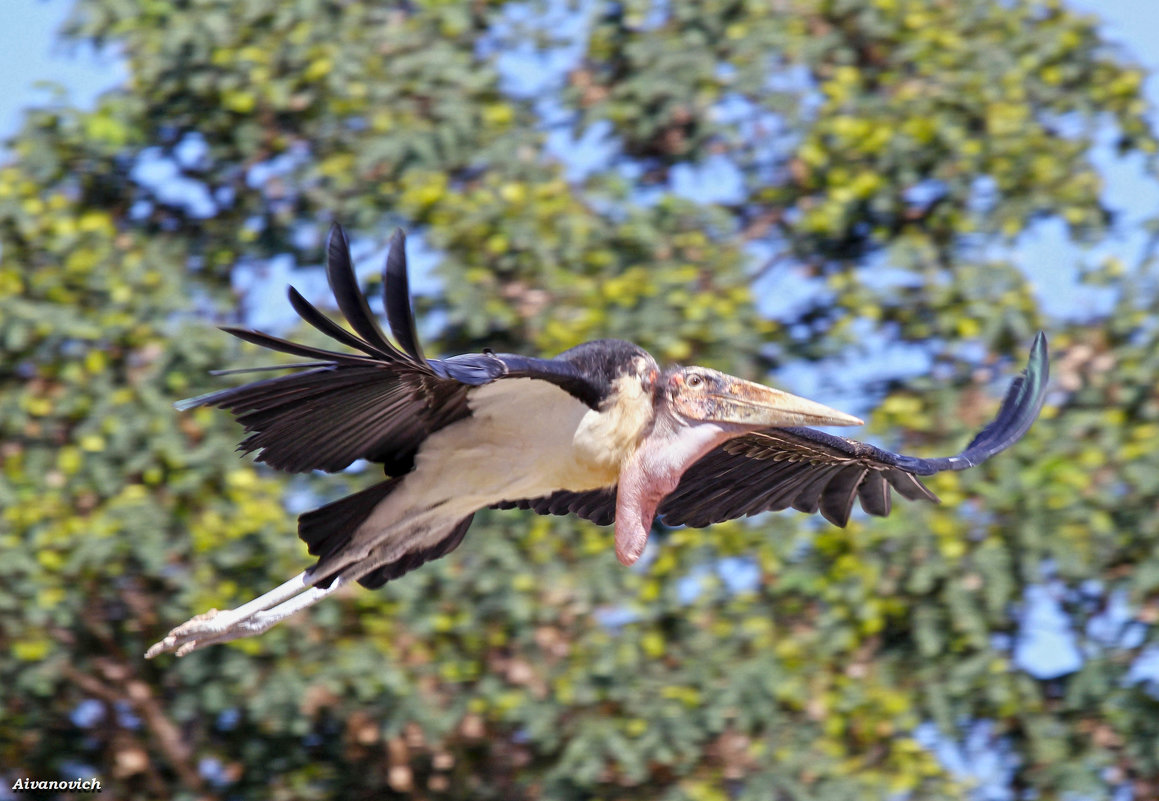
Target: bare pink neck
651,473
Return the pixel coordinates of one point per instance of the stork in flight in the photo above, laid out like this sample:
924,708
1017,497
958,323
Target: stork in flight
600,431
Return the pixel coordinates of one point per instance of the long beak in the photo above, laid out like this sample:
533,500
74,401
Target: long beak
748,404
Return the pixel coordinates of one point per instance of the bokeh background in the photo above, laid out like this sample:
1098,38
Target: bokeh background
873,203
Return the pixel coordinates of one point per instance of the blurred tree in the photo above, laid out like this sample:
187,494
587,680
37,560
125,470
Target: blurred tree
923,135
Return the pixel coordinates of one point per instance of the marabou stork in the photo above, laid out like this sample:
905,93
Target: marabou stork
600,431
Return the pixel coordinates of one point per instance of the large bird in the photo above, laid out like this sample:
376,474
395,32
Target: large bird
600,431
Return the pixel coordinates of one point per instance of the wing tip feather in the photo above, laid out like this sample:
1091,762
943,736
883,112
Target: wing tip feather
396,297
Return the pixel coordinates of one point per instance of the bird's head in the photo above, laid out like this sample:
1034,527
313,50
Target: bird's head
697,409
701,395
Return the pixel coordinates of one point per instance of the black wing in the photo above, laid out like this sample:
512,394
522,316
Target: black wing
598,505
377,403
810,470
813,471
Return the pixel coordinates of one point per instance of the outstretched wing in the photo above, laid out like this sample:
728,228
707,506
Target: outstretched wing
812,471
378,402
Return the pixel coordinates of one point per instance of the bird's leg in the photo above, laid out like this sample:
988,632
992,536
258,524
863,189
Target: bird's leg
263,612
200,632
268,610
200,629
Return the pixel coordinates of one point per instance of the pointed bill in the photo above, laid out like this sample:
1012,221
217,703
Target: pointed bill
721,398
750,404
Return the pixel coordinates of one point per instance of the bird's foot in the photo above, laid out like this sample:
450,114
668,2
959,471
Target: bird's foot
246,620
212,627
193,633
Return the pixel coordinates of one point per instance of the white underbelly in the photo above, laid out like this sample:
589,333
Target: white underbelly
525,438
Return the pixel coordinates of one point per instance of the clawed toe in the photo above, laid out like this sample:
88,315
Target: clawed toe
185,638
169,643
250,618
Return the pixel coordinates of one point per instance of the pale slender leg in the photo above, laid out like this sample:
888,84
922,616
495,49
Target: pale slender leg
260,614
265,611
254,623
214,622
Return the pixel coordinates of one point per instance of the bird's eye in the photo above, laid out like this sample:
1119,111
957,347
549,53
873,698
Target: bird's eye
695,381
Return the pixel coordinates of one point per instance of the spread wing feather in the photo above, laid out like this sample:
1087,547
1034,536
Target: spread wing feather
396,298
377,403
351,302
311,315
813,471
598,506
810,470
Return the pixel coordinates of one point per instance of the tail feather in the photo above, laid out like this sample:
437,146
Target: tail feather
418,557
328,529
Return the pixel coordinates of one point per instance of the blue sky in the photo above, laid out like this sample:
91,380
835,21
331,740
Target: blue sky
29,55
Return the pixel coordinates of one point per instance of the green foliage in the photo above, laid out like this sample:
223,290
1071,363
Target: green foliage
925,135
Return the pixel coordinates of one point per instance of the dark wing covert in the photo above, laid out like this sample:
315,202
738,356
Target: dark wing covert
378,403
812,471
598,505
